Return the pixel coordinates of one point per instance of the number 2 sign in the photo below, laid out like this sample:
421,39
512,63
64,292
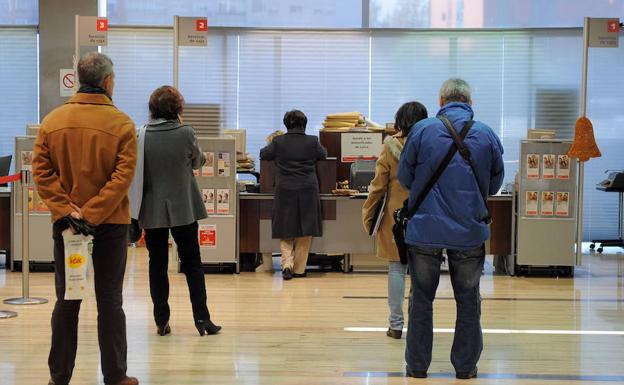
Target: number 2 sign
201,25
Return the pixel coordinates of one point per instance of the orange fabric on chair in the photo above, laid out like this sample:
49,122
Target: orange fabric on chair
584,146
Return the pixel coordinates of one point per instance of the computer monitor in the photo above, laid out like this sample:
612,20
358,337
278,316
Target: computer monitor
5,165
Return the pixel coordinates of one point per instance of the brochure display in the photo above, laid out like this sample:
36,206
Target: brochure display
40,242
217,234
546,210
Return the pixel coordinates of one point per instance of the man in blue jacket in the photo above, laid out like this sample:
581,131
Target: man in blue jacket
453,216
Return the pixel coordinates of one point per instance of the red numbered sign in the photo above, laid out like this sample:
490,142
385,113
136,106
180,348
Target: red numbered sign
102,25
614,26
201,25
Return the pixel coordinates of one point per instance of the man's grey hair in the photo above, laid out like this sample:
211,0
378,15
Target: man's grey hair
93,68
456,90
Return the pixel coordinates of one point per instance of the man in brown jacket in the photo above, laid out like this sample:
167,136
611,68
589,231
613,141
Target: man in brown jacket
84,162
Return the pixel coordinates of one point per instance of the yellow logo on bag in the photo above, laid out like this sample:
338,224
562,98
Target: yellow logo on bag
76,260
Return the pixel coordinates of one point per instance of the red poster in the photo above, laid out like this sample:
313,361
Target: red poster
208,236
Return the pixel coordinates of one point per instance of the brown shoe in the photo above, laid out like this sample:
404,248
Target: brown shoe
128,381
396,334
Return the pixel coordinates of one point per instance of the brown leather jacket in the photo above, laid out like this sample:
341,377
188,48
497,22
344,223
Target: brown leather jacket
85,154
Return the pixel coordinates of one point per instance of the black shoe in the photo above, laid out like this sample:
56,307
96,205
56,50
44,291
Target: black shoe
206,326
466,375
396,334
163,330
415,373
287,274
303,275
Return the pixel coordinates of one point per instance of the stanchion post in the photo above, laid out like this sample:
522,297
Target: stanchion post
25,299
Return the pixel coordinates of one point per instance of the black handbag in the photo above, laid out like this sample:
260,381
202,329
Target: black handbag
404,214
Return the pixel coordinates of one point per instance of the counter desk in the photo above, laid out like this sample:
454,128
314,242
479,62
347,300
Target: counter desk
343,232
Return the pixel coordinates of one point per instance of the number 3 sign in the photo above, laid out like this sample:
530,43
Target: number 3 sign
102,25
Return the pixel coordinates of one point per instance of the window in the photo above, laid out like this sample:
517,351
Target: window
143,61
19,12
19,76
240,13
489,13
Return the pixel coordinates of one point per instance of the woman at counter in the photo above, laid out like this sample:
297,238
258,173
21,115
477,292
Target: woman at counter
169,200
386,183
297,205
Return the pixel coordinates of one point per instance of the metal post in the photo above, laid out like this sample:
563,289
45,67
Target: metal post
620,214
581,165
25,299
176,51
76,53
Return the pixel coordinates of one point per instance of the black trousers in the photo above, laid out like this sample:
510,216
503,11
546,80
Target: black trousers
157,244
110,247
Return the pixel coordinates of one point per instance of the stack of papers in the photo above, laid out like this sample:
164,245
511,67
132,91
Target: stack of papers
344,121
245,162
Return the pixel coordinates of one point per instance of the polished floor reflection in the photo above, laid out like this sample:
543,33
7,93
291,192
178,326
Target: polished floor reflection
328,329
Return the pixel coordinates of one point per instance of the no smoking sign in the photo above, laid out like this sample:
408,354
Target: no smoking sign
67,82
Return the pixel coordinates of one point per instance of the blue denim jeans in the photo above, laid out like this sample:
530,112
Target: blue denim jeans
465,268
396,293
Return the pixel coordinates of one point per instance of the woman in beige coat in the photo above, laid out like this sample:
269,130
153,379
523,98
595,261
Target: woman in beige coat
386,181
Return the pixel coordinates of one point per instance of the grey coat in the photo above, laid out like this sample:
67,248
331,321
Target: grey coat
297,204
171,196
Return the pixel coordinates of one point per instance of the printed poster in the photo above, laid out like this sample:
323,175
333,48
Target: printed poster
531,203
548,203
27,159
223,201
533,166
224,164
31,199
208,236
41,206
548,164
208,167
563,204
563,167
208,196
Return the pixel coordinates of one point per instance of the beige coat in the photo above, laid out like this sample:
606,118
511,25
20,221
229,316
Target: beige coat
386,181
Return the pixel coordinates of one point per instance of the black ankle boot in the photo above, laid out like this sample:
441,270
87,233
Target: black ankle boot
163,330
206,326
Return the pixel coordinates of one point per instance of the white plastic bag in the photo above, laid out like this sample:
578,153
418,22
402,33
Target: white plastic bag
77,262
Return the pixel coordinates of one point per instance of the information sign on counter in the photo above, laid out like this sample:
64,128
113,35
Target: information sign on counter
93,31
360,146
193,31
604,32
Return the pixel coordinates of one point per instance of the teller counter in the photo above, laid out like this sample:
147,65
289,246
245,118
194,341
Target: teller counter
343,232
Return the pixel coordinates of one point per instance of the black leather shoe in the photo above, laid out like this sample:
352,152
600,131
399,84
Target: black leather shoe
415,373
287,274
396,334
206,326
303,275
466,375
163,330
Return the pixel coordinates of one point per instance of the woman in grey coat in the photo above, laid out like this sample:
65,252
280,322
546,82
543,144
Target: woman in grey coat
297,204
172,201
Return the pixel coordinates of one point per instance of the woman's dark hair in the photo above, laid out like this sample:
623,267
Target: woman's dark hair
407,115
295,119
166,102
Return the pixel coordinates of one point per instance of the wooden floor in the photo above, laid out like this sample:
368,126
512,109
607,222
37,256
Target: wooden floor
296,332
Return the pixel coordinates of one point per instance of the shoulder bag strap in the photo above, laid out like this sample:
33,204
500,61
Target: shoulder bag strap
434,178
464,151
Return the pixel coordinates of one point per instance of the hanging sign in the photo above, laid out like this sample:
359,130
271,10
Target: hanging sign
193,31
67,80
604,32
360,146
93,31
